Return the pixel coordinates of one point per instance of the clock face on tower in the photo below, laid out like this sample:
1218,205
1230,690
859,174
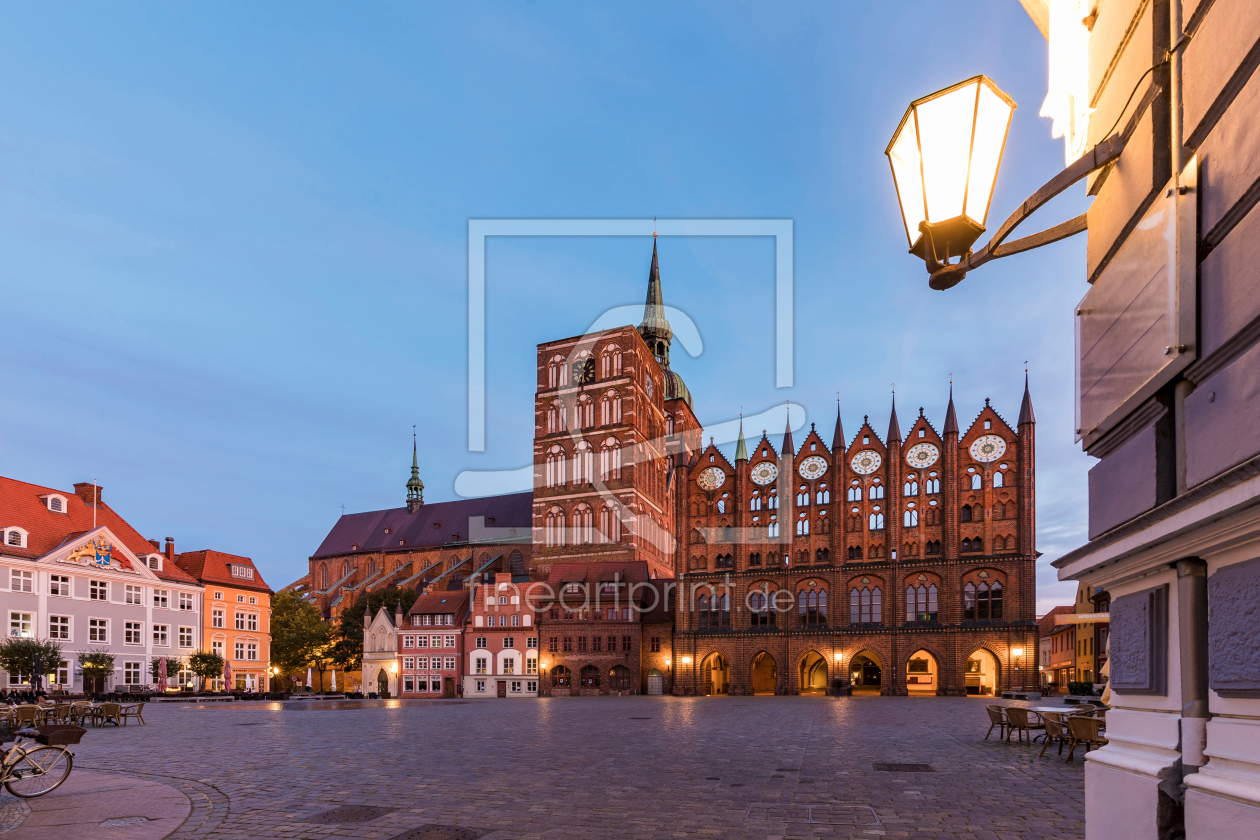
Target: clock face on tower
988,448
922,456
764,473
866,462
584,372
812,467
712,478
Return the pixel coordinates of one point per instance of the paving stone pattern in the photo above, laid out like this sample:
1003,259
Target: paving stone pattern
592,768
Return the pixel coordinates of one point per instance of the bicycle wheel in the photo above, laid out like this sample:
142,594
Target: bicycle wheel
39,771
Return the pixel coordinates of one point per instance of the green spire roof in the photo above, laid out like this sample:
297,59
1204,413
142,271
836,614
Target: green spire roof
415,487
741,451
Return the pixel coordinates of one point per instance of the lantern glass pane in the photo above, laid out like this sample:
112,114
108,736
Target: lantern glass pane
904,155
945,137
993,116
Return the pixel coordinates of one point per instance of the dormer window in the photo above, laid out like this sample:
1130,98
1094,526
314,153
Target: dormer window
15,537
239,571
387,530
57,504
154,562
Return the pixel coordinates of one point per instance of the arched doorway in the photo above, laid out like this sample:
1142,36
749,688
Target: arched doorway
382,683
765,674
981,674
619,678
716,673
922,674
813,674
866,674
656,682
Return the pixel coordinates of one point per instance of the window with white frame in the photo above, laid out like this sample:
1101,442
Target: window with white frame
240,650
422,641
449,664
531,642
243,572
253,600
15,537
59,585
409,641
186,601
422,663
481,685
133,633
161,635
218,596
61,674
185,637
98,629
449,642
59,627
240,599
161,598
216,619
409,684
531,685
251,651
240,621
531,665
480,665
216,646
509,642
251,621
22,625
131,673
21,581
481,641
57,504
133,594
409,663
154,562
436,642
98,590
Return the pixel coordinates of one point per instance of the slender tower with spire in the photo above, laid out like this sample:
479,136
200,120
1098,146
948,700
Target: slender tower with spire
415,487
655,327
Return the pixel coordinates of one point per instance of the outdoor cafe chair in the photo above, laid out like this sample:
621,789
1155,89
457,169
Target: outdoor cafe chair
80,713
1056,731
109,713
27,715
135,710
997,717
1084,730
1019,721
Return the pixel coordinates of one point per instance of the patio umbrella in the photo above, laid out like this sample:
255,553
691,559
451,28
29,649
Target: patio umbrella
227,674
308,676
162,674
334,679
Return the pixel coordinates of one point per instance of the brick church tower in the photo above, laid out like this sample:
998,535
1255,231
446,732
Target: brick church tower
611,420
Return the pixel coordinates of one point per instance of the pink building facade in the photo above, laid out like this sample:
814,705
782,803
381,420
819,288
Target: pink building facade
502,653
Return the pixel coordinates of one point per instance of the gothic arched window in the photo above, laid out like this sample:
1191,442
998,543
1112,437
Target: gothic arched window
999,480
877,521
976,482
910,519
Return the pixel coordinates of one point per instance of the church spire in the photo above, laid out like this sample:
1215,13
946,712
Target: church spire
741,451
951,419
415,487
655,328
1025,410
789,451
837,437
894,428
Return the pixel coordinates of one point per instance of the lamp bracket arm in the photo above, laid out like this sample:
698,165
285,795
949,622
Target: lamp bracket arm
1095,159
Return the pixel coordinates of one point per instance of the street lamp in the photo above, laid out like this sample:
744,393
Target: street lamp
945,156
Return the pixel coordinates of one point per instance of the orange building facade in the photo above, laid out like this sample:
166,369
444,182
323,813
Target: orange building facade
237,614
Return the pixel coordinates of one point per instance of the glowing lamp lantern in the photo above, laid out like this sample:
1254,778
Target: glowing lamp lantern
945,156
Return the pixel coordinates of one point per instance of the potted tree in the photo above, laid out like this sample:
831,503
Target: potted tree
97,665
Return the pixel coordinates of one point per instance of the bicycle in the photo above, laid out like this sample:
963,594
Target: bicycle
30,770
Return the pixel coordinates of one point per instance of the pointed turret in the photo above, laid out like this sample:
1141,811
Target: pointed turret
951,419
1025,408
741,451
837,437
894,428
789,451
415,487
655,328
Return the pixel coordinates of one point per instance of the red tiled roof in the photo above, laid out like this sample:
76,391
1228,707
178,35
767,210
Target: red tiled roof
209,566
442,602
631,571
21,505
1046,622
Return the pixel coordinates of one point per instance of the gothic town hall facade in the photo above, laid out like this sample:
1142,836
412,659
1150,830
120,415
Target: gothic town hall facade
900,563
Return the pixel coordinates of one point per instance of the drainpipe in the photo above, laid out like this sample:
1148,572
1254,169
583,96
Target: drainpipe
1192,626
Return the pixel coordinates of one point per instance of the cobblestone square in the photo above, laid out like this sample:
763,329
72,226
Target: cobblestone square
756,767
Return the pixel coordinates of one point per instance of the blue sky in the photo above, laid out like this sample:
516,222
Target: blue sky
233,238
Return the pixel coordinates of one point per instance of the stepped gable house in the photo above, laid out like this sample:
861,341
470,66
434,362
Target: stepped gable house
894,564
